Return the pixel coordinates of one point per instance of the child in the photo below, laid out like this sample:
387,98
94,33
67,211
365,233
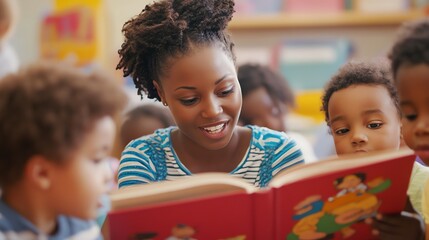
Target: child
8,59
267,102
410,66
357,123
57,127
362,111
144,120
179,53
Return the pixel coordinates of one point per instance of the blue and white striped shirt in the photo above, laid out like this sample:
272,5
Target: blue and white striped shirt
152,158
14,226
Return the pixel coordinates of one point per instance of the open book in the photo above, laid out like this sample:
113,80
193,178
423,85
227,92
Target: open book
324,200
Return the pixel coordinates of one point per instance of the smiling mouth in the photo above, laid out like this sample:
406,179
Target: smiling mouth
215,129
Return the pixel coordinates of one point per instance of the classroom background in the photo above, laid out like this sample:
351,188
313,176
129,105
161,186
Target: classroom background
305,40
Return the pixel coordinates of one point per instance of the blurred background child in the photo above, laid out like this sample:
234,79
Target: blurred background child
144,120
362,111
267,101
410,65
57,128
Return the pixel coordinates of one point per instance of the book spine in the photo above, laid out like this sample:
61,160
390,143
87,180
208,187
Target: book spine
263,218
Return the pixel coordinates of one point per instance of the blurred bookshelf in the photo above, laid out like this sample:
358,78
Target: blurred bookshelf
307,42
322,20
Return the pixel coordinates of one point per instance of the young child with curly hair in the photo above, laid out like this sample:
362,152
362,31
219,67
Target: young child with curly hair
144,120
362,111
410,66
267,102
57,128
178,52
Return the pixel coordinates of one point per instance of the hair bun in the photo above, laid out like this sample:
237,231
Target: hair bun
204,15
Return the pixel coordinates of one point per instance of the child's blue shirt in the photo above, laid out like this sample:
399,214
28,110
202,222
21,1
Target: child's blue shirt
13,226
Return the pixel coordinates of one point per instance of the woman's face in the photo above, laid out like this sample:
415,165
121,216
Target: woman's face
204,96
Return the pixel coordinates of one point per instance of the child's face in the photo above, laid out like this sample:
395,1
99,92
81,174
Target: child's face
413,88
363,118
141,126
260,109
78,184
204,96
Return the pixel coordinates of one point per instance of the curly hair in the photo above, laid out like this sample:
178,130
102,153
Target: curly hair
169,29
46,109
254,76
360,73
411,46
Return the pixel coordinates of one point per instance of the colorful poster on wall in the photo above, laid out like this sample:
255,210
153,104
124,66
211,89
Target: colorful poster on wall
71,33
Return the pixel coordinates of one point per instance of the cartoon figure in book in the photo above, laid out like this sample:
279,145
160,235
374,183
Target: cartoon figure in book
182,232
356,201
351,183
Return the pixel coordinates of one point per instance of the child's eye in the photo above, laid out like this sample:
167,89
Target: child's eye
410,117
341,131
376,125
97,160
226,92
188,102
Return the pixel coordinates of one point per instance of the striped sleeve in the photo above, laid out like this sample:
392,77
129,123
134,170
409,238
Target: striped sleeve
287,154
136,166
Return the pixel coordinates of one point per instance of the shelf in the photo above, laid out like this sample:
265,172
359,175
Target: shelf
318,20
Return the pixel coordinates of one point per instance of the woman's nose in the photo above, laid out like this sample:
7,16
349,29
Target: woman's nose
212,108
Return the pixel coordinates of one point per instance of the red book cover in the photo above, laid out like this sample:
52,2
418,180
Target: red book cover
221,217
329,199
334,205
263,212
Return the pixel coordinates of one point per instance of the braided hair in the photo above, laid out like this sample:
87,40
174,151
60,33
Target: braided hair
169,29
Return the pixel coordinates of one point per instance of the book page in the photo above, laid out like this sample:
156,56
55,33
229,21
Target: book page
195,186
331,200
335,164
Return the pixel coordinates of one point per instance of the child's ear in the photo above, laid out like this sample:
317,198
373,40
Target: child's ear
160,92
37,171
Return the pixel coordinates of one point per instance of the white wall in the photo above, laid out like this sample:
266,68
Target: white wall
25,38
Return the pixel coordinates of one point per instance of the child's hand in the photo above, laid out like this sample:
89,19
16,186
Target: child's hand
398,226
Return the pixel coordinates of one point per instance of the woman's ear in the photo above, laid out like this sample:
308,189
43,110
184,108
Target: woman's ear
160,92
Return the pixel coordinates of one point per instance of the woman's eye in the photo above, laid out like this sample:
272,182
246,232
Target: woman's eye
375,125
189,101
226,92
341,131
